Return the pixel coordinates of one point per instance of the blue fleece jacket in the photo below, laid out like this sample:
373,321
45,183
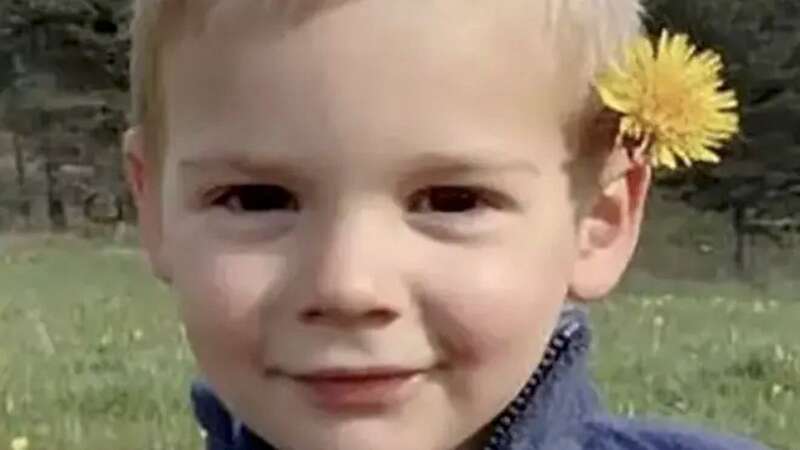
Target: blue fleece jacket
558,409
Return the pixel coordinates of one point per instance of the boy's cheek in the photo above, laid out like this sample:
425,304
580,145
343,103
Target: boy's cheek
218,327
219,300
494,304
225,347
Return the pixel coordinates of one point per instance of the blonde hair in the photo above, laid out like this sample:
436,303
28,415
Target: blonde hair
591,32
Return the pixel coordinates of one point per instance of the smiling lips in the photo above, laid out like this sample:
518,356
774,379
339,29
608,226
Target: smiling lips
343,390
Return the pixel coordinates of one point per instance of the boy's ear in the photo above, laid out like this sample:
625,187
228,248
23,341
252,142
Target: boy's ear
144,184
608,233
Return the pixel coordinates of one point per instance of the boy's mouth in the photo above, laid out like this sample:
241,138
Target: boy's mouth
338,390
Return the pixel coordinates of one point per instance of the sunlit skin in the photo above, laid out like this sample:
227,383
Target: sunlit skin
374,189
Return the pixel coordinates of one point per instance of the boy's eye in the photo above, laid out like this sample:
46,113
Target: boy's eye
256,198
451,200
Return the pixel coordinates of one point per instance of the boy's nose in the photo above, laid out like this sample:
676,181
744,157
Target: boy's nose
349,278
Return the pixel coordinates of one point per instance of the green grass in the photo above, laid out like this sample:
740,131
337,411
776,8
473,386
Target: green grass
92,356
726,363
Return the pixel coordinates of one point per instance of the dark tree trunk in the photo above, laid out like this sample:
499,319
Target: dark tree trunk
55,204
24,201
744,251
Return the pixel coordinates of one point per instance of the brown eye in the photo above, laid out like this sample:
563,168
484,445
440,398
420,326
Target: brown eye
257,198
448,199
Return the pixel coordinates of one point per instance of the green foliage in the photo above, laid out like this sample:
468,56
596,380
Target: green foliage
62,54
82,43
92,356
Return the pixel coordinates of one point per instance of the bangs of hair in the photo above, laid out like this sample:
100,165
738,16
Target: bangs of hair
590,32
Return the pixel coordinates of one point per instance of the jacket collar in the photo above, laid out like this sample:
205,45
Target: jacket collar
557,398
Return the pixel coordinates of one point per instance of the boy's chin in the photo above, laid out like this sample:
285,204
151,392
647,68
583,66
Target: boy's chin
362,434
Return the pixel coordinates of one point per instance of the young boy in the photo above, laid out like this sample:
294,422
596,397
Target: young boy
373,212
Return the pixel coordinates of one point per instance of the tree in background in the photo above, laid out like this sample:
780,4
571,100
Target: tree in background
64,92
758,182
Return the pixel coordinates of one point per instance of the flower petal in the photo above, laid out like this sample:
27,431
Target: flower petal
672,93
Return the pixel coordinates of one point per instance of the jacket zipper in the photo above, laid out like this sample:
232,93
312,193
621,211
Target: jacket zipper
500,437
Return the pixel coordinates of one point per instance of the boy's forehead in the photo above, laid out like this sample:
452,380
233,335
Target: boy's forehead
508,37
515,19
377,66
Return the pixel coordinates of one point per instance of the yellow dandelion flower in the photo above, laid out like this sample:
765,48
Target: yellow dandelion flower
670,97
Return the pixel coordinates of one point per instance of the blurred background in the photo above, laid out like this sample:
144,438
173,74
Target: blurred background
91,353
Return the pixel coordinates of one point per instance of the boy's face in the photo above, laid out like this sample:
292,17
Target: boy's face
367,218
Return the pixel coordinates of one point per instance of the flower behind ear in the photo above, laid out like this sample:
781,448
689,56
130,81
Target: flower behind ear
669,97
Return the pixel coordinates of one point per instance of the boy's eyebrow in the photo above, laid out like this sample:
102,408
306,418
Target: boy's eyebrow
428,163
239,162
472,162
